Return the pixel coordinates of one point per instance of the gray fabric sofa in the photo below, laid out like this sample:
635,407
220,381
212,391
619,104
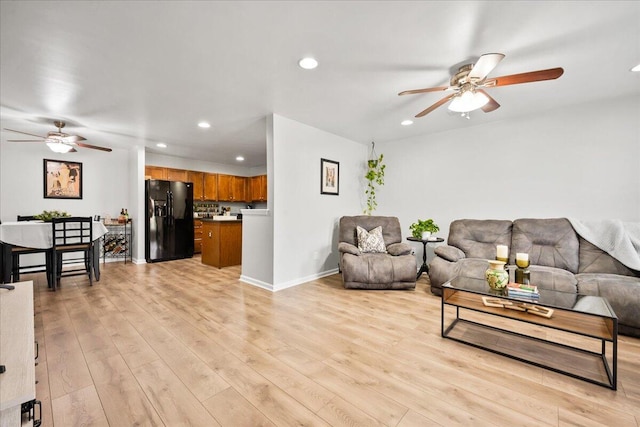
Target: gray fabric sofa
560,259
395,269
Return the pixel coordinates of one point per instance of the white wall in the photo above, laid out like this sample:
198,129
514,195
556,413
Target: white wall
105,188
581,162
305,222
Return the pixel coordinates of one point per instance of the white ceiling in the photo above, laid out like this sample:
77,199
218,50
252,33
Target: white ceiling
124,72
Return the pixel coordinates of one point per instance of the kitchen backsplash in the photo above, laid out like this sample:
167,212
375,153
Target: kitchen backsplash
210,209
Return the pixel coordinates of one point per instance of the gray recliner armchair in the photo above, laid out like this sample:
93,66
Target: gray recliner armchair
393,269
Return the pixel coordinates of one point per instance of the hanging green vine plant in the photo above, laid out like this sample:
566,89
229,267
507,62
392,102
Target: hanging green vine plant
375,178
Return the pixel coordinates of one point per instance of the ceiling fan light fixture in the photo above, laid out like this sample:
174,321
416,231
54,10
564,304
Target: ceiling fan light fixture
59,147
468,101
308,63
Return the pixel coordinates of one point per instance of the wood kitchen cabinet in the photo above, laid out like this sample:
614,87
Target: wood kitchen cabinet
197,236
198,184
258,188
211,186
155,172
221,243
232,188
177,175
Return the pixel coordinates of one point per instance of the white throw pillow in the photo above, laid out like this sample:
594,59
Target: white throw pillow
371,241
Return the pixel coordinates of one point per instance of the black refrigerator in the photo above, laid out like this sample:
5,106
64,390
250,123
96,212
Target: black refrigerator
169,222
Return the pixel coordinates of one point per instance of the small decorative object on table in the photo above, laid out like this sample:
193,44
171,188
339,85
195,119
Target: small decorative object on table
518,290
47,216
522,268
502,253
497,277
518,306
423,229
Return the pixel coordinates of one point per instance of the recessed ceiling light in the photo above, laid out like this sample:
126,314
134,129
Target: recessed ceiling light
240,159
308,63
161,145
406,122
636,68
204,125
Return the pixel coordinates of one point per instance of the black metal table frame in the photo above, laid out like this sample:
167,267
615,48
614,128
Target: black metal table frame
612,372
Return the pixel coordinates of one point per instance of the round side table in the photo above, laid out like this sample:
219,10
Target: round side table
424,268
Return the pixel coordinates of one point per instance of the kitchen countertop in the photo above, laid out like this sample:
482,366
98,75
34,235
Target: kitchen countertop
220,218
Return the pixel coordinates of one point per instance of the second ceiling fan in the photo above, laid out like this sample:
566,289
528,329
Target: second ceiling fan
469,82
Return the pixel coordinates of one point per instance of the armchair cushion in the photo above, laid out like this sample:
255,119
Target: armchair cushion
450,253
397,249
348,248
371,241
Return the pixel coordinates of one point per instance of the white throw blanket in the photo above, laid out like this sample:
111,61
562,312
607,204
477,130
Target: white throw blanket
619,239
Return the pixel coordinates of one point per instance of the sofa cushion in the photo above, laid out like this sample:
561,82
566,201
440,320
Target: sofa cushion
595,260
371,241
479,238
622,293
550,242
553,278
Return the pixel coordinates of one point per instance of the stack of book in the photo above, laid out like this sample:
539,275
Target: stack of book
518,290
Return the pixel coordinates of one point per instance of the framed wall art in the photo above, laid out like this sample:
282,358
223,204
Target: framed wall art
329,177
62,179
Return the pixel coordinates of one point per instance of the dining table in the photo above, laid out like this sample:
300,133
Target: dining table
38,235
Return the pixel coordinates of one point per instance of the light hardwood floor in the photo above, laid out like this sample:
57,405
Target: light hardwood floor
180,343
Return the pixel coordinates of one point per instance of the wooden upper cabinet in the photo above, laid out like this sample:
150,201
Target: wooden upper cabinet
177,175
258,188
239,189
224,188
232,188
210,186
198,184
155,172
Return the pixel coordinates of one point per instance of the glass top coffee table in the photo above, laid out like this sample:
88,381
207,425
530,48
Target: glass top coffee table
576,335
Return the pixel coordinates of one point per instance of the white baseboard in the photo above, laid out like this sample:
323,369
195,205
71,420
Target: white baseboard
289,284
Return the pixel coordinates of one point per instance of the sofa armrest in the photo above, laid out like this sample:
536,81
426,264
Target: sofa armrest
348,248
397,249
450,253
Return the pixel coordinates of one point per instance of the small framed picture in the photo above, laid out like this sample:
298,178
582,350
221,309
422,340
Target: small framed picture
62,180
329,177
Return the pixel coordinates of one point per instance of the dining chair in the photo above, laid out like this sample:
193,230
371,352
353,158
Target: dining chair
72,235
17,251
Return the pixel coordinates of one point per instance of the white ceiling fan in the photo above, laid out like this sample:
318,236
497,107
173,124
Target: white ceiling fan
469,82
59,142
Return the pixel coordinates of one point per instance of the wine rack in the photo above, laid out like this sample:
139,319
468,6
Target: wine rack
116,244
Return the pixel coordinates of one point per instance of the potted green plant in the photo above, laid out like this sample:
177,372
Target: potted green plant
375,177
47,216
422,229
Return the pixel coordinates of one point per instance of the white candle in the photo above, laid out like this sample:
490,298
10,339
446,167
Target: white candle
502,251
522,257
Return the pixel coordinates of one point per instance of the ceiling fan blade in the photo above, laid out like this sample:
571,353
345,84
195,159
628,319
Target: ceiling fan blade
436,105
24,140
95,147
73,138
486,63
491,105
26,133
429,89
532,76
